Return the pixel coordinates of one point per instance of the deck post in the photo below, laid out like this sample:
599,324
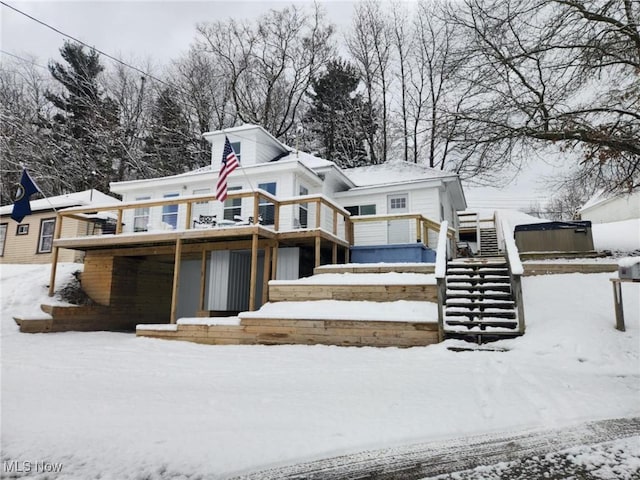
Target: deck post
274,261
266,274
119,222
203,278
189,222
176,280
425,234
256,208
335,222
334,253
346,254
418,230
54,257
318,210
254,272
317,255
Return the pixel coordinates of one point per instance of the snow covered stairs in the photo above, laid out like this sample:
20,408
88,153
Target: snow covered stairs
488,242
479,300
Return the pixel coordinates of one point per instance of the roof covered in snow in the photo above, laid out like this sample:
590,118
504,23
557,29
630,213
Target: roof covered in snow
394,172
85,198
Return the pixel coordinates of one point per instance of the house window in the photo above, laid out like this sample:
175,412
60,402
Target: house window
236,149
23,229
45,242
3,237
170,212
362,209
141,217
398,203
233,206
303,212
267,209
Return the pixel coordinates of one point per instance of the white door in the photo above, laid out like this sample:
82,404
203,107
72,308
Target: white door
398,230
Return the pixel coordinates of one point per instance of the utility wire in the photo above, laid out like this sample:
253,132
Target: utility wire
4,52
60,32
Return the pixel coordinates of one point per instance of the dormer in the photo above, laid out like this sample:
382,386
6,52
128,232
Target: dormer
251,143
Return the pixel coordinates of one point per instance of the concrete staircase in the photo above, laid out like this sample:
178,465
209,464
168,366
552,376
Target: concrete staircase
479,300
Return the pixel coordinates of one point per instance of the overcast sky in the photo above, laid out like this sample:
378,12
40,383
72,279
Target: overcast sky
131,29
161,29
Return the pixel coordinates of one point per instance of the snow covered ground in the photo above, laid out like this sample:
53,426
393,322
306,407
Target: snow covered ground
113,406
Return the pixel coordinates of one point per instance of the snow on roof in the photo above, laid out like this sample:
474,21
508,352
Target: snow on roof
393,172
85,198
308,160
516,198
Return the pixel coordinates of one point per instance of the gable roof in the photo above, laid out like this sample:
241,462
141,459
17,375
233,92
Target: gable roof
238,131
85,198
393,172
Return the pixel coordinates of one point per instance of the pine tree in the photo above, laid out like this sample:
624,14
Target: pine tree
337,115
86,127
170,146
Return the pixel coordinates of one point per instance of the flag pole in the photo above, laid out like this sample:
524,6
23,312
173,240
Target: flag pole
240,165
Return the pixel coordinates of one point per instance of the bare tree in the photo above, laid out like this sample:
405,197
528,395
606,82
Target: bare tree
402,43
561,72
369,44
269,64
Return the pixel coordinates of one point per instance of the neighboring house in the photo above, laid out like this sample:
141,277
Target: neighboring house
180,252
31,241
603,208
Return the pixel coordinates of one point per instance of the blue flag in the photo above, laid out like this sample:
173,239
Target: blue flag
21,205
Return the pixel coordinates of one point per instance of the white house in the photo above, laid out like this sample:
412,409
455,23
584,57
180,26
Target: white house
31,240
286,213
603,208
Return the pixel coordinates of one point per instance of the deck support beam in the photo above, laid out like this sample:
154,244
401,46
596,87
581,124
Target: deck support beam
317,255
254,272
203,279
176,280
266,274
274,261
54,258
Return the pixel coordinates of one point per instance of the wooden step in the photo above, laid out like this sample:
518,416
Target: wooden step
483,324
479,288
481,305
476,280
478,271
483,315
480,296
283,292
475,263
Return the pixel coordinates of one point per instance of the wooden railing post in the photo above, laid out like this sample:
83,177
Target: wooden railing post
256,208
119,222
176,280
318,210
254,272
54,257
418,230
188,222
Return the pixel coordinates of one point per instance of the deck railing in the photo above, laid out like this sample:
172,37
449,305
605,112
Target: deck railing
516,270
417,225
281,215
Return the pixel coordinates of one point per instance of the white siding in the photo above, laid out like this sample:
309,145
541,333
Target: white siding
624,207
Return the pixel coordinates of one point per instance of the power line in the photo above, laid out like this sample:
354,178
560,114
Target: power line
121,62
31,62
60,32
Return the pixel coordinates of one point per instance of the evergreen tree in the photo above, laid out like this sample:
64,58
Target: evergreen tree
337,115
86,127
170,145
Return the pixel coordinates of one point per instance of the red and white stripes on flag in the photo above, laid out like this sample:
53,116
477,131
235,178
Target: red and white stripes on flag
229,164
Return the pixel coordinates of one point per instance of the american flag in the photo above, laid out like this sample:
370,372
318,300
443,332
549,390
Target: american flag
229,164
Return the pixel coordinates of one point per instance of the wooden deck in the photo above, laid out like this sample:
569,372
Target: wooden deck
274,331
